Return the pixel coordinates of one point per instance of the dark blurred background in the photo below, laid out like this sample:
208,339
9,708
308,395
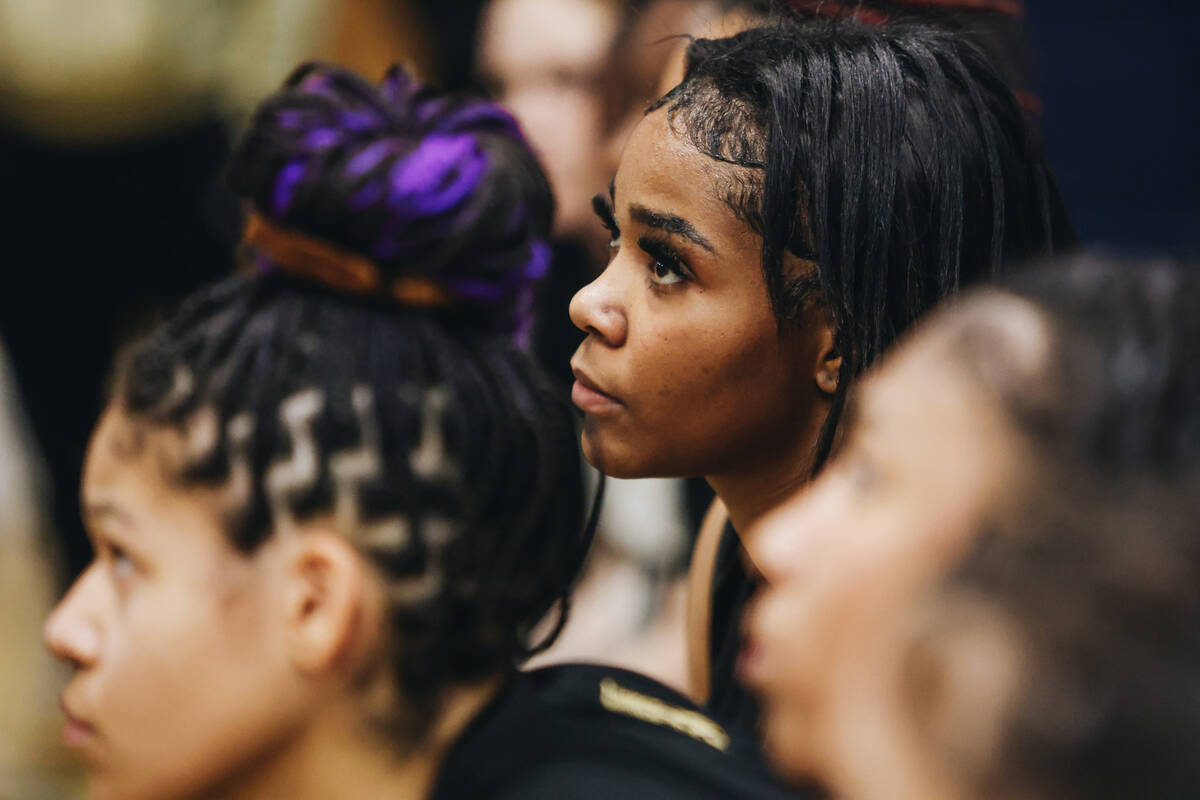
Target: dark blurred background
1120,83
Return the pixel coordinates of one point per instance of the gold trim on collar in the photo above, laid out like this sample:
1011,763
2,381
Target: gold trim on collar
620,700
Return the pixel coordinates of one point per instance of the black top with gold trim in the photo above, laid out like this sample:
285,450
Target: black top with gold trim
590,732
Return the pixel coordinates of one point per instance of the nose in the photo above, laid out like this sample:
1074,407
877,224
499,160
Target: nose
71,631
595,309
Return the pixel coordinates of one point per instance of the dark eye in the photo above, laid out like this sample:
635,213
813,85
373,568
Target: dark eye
121,563
666,267
666,272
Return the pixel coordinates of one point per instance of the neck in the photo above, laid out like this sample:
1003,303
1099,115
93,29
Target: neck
337,757
759,485
753,489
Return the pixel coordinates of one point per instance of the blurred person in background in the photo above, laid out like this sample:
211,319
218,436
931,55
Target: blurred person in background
763,256
974,452
329,500
33,763
545,60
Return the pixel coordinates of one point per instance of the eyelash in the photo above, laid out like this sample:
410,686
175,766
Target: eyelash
662,253
608,219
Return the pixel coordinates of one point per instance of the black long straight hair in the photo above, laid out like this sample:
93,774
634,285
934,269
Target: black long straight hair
891,156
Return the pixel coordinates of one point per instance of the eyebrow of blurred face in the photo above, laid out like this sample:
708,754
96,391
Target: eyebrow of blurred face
101,512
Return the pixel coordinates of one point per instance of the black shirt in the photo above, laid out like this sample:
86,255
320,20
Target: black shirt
585,732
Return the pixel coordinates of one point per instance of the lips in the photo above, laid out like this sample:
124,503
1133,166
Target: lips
77,730
589,397
749,666
752,666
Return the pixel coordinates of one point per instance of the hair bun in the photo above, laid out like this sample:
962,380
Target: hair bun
421,184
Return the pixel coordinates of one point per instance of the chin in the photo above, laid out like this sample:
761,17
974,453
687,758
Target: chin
789,752
614,459
607,462
618,457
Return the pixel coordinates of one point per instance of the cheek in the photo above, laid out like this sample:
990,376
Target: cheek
195,691
794,708
863,732
708,395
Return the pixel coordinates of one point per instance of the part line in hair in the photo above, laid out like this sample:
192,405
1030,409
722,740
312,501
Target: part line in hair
300,471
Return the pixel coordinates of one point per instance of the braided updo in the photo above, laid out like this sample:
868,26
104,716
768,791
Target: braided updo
420,183
430,439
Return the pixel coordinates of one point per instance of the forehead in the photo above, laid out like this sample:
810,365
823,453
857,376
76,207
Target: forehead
117,445
662,170
958,359
133,464
922,389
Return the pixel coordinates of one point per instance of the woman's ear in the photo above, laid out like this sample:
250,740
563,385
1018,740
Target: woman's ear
829,361
326,601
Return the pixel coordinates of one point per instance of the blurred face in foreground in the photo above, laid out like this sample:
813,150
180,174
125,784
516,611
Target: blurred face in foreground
851,560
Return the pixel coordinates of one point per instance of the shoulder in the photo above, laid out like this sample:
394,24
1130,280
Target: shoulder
587,731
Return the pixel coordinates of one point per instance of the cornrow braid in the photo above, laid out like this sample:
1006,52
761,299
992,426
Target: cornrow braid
431,440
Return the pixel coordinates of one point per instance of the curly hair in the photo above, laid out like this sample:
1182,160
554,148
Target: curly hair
1118,388
1095,558
1099,580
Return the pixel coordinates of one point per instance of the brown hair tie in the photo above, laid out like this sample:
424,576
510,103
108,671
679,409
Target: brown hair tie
300,254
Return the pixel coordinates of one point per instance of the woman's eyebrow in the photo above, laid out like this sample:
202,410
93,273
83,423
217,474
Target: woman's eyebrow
670,223
103,511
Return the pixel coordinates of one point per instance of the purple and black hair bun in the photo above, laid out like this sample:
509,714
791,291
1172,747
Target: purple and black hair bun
421,183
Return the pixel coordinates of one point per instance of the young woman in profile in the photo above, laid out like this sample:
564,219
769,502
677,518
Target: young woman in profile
329,501
991,590
803,195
